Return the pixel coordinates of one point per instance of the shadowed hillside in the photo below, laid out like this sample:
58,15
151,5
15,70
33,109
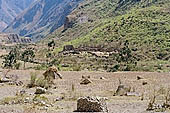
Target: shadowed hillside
9,9
42,18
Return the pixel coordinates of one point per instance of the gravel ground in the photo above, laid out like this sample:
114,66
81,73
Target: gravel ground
100,87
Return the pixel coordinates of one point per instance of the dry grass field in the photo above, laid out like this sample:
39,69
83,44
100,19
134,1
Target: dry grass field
70,89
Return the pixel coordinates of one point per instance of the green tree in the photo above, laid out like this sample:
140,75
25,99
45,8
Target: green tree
126,60
11,59
51,44
27,56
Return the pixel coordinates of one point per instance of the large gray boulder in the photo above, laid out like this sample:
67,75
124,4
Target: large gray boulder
92,104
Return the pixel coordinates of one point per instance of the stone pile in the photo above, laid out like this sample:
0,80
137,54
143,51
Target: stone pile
92,104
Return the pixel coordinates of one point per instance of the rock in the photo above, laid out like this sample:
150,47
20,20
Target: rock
144,83
85,77
8,38
59,98
68,48
132,94
21,92
91,104
139,78
85,81
40,90
3,80
69,21
19,83
27,100
122,90
102,78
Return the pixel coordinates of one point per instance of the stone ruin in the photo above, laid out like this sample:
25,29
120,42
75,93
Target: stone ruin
68,48
92,104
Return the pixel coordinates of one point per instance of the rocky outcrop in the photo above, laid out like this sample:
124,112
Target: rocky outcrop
69,21
92,104
12,38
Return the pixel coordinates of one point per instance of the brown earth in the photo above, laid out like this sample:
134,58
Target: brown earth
69,87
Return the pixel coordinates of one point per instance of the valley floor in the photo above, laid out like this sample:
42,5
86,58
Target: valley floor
70,88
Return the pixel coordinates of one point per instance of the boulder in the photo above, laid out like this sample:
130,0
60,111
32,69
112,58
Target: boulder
40,90
85,81
3,80
122,90
92,104
139,78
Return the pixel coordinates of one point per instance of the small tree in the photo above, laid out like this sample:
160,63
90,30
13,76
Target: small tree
27,56
51,44
126,61
11,59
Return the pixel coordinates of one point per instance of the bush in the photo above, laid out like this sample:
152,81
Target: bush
32,80
76,67
17,65
41,82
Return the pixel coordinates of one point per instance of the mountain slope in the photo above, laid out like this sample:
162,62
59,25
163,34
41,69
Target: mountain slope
144,25
91,13
9,9
42,17
141,26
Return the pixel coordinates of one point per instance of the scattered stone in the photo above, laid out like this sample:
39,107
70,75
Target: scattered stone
139,78
86,77
27,100
40,90
92,104
22,92
85,81
102,78
144,83
59,98
122,90
17,83
4,80
157,107
133,94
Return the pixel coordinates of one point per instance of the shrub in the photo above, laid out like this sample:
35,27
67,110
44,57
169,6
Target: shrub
32,80
41,82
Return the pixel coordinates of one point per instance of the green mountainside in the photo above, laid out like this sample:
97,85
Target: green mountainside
110,24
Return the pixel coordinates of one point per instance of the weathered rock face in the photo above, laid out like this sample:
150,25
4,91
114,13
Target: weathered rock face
69,21
13,38
92,104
